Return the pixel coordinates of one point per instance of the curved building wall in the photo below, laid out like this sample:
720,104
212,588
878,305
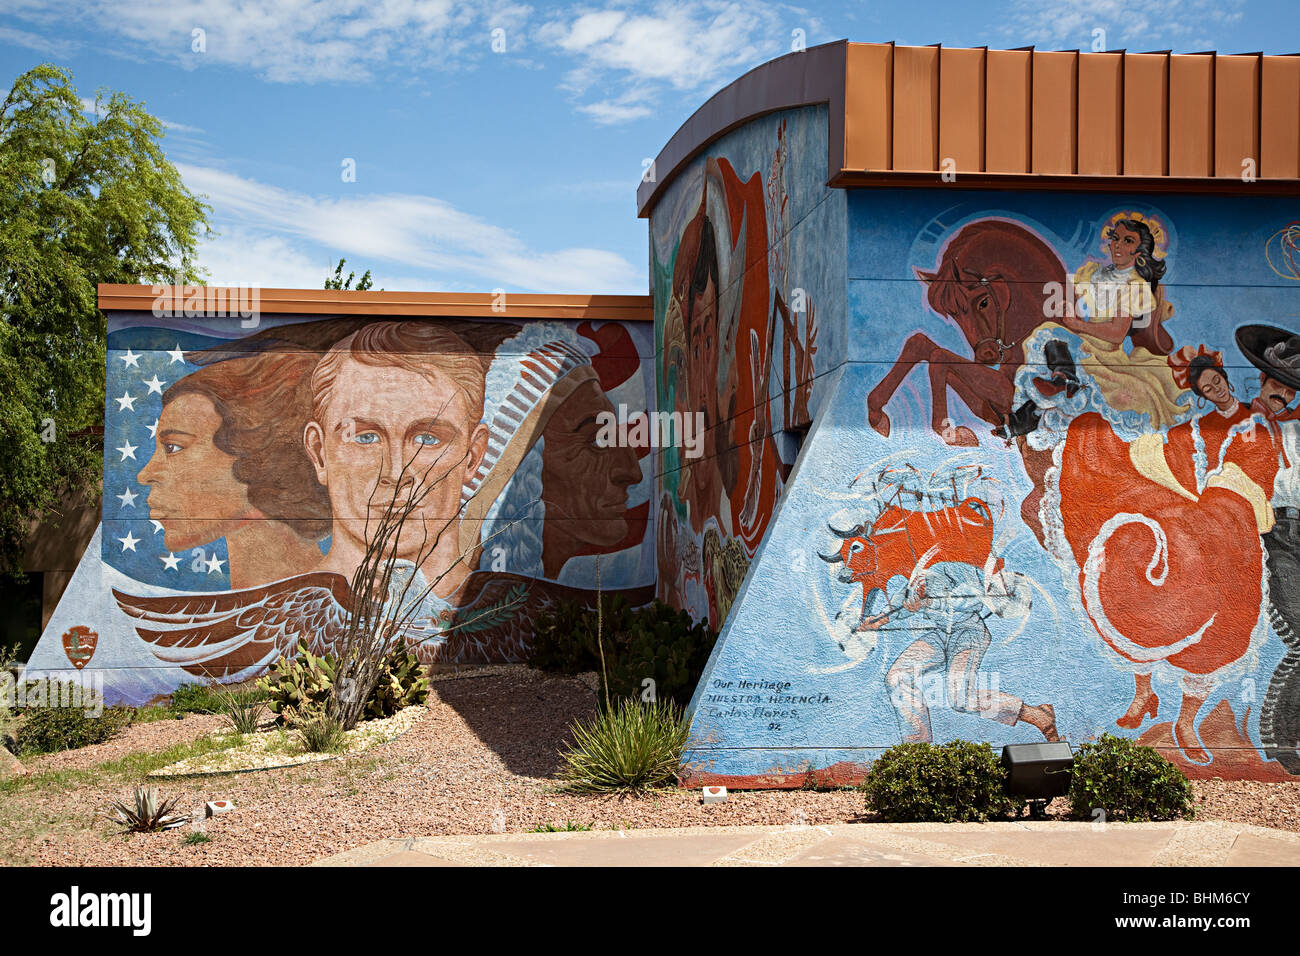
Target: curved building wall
1121,559
748,274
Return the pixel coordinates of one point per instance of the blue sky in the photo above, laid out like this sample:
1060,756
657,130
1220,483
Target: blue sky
479,169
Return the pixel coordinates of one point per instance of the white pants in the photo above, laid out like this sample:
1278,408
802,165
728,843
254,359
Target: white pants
944,667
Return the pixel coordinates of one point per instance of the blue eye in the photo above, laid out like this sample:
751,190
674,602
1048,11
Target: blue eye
426,439
367,438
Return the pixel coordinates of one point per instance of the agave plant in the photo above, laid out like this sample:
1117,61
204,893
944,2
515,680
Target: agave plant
148,815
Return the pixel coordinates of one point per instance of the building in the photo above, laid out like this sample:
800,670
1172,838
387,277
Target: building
980,363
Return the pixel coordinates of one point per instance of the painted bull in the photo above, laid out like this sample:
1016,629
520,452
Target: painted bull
903,538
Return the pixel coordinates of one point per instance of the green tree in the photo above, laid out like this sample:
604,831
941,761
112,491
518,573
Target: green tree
83,200
338,283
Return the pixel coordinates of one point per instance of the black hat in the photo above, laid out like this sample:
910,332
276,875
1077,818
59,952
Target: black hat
1275,352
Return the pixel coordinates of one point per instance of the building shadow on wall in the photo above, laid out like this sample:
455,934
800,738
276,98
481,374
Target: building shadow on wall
522,716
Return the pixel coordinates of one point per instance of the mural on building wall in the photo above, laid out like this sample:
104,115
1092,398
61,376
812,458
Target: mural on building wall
740,291
1056,491
244,475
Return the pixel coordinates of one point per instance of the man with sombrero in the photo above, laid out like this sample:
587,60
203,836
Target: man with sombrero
1276,353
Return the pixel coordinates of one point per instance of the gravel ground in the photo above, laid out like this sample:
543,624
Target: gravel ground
482,761
1275,805
138,738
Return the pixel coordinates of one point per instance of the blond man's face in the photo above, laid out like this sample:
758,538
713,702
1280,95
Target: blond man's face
380,419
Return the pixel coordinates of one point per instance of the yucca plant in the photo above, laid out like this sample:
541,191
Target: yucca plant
322,732
243,710
148,815
630,746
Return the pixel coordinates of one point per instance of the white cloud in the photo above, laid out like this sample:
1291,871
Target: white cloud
608,112
1152,24
59,49
385,233
630,53
676,45
295,41
241,257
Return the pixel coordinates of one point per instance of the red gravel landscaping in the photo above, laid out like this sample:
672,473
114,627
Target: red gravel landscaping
482,761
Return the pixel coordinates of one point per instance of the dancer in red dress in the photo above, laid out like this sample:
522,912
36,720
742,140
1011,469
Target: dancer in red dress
1150,522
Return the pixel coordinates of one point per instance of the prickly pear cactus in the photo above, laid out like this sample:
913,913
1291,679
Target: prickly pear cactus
299,684
402,683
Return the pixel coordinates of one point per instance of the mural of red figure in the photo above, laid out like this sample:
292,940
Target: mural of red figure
1145,519
726,309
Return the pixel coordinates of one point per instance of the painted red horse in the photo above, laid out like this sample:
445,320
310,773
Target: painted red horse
901,538
998,281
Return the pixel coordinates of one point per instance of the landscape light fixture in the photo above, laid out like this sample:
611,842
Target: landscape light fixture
1038,772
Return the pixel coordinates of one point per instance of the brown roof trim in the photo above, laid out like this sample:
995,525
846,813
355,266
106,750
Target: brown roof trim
1241,112
624,308
1113,184
815,75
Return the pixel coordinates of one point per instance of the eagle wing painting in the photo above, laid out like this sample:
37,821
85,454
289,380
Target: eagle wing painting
231,635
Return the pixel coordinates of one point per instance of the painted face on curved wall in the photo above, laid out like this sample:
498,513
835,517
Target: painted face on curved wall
1273,394
193,491
1214,387
702,351
584,485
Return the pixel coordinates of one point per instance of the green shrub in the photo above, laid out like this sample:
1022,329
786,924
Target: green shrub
568,826
564,637
243,710
656,642
50,729
321,733
197,699
153,713
402,683
633,746
1127,782
8,719
924,783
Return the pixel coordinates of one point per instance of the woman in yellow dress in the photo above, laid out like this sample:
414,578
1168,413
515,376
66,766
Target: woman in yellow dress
1113,301
1122,300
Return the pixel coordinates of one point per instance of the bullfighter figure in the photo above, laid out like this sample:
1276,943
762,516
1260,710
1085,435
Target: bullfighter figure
943,609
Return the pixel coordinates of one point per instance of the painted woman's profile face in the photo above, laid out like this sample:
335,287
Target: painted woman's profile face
1123,246
194,494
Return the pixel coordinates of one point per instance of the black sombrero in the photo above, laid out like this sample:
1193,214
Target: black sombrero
1274,351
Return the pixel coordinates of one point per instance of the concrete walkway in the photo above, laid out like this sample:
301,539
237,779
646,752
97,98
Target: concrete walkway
1028,843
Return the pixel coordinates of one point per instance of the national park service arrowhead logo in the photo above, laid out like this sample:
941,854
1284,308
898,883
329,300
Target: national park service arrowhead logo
79,644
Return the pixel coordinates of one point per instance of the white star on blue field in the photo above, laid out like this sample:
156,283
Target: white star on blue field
140,367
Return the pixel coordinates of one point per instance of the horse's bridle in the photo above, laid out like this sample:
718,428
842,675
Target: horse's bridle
1002,347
